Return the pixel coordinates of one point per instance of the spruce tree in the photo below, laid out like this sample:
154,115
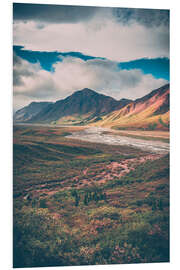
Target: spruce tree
77,199
86,199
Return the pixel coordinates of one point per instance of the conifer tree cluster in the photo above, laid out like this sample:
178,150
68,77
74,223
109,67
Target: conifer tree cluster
76,196
89,196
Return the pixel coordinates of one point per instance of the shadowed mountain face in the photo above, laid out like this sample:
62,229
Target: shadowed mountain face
89,107
26,113
84,104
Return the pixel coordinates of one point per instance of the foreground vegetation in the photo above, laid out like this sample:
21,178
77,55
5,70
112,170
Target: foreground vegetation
72,206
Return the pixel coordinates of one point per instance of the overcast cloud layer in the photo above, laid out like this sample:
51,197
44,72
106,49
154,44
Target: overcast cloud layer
73,14
116,34
112,41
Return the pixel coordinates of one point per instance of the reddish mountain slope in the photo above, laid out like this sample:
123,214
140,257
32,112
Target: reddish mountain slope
148,112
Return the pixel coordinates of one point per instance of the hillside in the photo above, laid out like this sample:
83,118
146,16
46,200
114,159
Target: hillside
87,107
26,113
149,112
81,107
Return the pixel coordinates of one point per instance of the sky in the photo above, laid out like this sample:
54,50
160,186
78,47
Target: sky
57,50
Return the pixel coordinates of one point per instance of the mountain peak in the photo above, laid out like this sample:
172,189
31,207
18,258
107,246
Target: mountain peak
86,91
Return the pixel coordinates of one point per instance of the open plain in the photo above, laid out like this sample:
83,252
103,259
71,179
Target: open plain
88,197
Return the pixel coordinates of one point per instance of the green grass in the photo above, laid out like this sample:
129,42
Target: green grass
130,224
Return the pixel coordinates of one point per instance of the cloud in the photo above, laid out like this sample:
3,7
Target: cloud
47,59
52,13
43,13
112,41
146,17
119,34
158,67
30,83
21,70
115,34
73,74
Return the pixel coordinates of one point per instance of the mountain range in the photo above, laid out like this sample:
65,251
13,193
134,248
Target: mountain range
87,107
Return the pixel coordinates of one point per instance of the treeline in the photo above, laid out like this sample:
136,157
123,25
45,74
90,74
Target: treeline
88,196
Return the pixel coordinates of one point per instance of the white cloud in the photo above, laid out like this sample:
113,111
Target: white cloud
103,76
100,37
31,83
74,74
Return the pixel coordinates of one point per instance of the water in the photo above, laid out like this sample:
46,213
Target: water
96,134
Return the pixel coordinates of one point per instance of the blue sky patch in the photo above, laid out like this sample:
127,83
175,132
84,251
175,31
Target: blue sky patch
158,67
47,59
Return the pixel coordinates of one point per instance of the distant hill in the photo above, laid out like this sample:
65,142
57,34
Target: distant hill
81,107
25,114
149,112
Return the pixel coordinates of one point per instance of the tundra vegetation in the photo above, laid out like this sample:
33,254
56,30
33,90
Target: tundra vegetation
79,203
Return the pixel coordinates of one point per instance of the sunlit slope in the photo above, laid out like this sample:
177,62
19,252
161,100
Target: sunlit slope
149,112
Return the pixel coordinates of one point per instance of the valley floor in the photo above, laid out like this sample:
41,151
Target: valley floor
79,201
144,134
145,140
